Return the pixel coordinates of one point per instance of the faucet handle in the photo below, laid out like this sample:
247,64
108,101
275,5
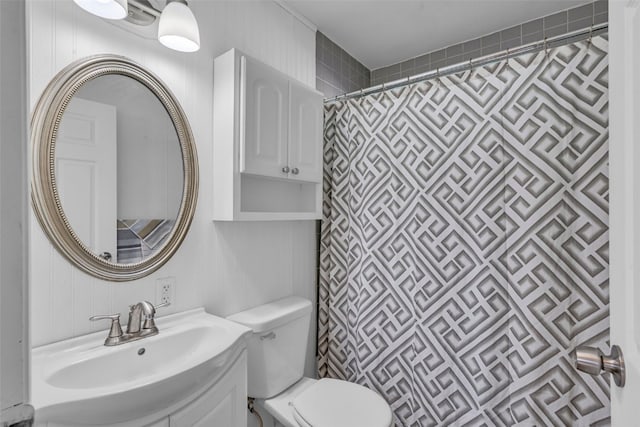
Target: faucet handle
149,318
115,333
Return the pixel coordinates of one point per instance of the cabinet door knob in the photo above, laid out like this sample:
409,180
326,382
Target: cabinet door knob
285,169
295,171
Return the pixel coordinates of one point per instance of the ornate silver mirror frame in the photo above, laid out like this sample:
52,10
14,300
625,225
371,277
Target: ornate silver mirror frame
44,192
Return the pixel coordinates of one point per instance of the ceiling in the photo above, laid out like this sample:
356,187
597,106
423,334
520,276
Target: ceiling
383,32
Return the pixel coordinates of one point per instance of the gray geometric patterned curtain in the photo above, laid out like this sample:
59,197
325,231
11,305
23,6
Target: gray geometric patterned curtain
464,244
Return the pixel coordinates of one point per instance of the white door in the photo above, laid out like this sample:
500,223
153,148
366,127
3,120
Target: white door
305,133
263,148
624,71
14,223
86,173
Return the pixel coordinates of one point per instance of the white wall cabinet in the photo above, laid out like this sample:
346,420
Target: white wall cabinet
267,142
264,119
306,122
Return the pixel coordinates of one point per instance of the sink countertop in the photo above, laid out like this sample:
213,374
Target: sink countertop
80,378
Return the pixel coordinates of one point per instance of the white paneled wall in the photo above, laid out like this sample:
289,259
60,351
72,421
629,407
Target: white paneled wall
225,267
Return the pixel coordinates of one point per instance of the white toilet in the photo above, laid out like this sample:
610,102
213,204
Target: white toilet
275,373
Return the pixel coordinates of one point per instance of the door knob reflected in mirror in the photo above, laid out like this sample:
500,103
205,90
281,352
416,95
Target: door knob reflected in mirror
106,256
592,361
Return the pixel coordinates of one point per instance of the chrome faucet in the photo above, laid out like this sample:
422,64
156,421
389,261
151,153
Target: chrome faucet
141,323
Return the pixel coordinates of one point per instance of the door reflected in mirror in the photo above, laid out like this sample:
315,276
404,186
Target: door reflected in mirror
119,168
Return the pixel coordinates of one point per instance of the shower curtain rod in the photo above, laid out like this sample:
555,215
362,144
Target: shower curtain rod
545,44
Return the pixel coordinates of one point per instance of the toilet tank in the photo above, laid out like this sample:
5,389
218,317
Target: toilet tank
278,345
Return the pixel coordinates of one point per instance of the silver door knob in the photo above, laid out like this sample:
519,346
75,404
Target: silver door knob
295,171
285,169
594,362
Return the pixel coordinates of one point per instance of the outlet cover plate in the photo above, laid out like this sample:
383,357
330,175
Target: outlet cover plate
165,290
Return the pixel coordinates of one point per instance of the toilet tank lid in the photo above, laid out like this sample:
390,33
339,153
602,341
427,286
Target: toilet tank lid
273,314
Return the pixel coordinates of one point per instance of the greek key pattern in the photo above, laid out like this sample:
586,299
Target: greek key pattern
464,244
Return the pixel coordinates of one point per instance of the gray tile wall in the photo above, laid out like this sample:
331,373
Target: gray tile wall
337,72
532,31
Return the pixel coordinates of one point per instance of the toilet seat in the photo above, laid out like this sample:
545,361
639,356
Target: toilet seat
337,403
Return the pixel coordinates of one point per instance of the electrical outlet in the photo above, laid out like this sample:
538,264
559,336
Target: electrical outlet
165,290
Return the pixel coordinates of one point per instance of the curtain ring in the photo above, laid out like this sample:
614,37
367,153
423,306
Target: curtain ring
546,47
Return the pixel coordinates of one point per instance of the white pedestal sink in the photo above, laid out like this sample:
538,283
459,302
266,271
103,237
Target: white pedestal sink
82,382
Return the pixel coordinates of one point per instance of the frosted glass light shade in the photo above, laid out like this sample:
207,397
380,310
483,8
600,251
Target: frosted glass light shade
108,9
178,28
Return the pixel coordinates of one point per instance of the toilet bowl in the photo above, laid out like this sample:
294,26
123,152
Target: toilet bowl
276,358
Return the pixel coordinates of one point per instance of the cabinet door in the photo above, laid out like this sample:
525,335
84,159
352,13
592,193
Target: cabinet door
305,133
264,92
223,405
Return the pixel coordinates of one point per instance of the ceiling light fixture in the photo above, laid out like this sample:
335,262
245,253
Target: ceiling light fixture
177,26
108,9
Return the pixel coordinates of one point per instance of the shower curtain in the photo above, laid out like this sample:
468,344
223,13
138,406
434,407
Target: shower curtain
464,243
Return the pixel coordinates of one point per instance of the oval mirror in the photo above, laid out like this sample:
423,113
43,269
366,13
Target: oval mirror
114,168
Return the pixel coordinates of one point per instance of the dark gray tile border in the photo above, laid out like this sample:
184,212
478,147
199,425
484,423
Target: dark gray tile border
509,44
409,64
423,60
408,72
490,40
454,50
600,6
511,33
323,72
471,45
555,31
337,72
581,12
393,69
454,60
380,73
555,20
472,55
327,89
423,69
438,64
601,18
438,55
532,27
344,73
533,37
580,24
488,50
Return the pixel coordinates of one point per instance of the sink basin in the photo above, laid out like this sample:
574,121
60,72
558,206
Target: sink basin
82,382
124,366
